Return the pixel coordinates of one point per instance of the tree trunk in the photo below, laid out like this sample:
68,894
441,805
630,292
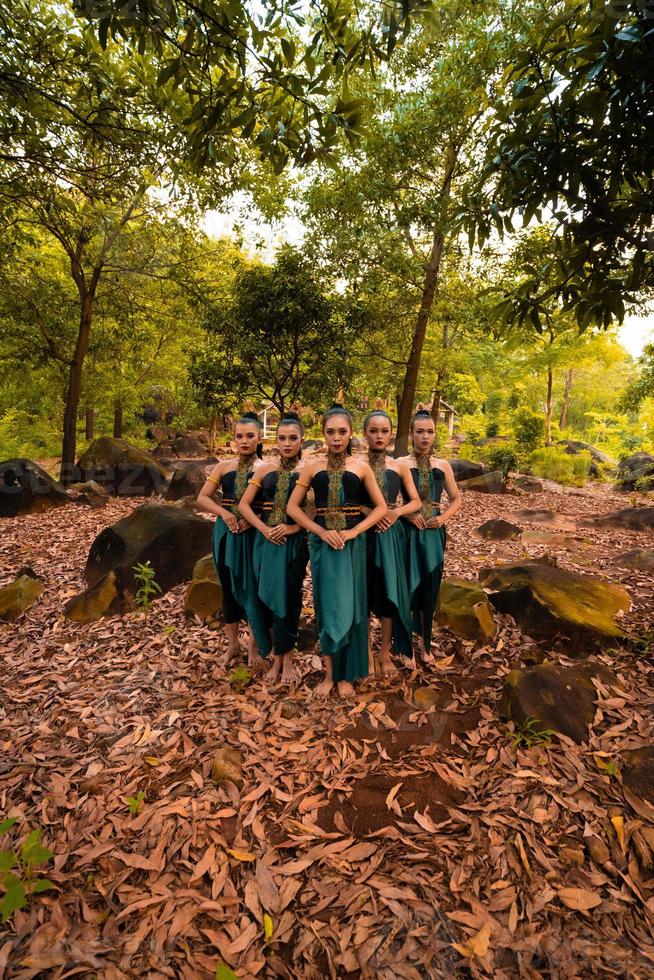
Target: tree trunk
89,422
436,402
548,413
74,389
118,419
567,392
413,364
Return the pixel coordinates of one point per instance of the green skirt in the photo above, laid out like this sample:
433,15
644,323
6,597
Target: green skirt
232,555
339,596
388,589
279,571
425,553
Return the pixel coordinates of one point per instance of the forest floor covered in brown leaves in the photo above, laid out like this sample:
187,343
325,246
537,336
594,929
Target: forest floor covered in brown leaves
369,838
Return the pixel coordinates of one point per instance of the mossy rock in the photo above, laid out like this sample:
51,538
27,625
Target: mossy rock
204,595
17,597
528,484
466,469
122,468
492,482
638,772
107,597
187,480
464,608
634,471
498,530
26,488
555,698
546,600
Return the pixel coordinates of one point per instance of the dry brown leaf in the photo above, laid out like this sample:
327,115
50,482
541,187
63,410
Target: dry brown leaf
580,899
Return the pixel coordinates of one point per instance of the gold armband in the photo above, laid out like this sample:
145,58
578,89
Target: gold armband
300,484
212,479
256,483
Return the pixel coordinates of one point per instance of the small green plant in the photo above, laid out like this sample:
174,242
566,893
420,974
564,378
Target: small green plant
644,483
135,803
148,587
553,463
17,870
526,735
169,630
239,678
528,428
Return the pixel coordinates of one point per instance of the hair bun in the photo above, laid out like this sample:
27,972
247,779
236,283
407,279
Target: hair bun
422,414
292,416
250,415
335,405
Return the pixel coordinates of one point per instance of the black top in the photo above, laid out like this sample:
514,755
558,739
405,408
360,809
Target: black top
393,488
437,483
351,498
266,495
227,484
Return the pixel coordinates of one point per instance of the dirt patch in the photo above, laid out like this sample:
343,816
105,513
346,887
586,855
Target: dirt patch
365,809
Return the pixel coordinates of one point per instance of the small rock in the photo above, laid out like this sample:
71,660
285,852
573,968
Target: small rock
638,772
466,469
17,597
226,766
90,494
528,484
557,698
187,481
464,608
485,483
633,518
104,598
204,595
641,559
498,530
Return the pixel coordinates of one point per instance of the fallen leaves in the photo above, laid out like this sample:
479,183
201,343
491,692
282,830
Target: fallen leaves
389,838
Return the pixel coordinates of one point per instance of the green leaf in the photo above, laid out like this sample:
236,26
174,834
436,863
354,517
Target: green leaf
32,852
7,860
224,972
7,824
14,897
41,885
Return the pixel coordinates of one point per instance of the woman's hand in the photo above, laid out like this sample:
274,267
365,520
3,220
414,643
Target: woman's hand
437,521
231,520
280,532
334,539
387,521
417,520
349,535
243,524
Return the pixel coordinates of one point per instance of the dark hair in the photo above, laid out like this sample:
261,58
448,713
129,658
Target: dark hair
422,413
376,411
292,418
337,409
252,417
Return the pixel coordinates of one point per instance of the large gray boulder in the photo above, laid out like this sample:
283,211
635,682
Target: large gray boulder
122,468
638,468
466,469
26,488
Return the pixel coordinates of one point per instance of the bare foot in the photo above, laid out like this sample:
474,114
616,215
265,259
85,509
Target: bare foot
387,665
254,658
323,689
345,689
409,663
273,674
290,674
232,651
372,670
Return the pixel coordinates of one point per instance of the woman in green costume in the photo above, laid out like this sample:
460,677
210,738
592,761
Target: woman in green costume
388,589
426,529
233,538
280,553
337,549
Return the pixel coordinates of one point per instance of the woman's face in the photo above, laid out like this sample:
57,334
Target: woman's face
289,440
337,432
423,435
378,432
246,437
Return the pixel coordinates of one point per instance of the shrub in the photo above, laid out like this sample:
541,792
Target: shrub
493,429
502,458
553,463
472,426
529,428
